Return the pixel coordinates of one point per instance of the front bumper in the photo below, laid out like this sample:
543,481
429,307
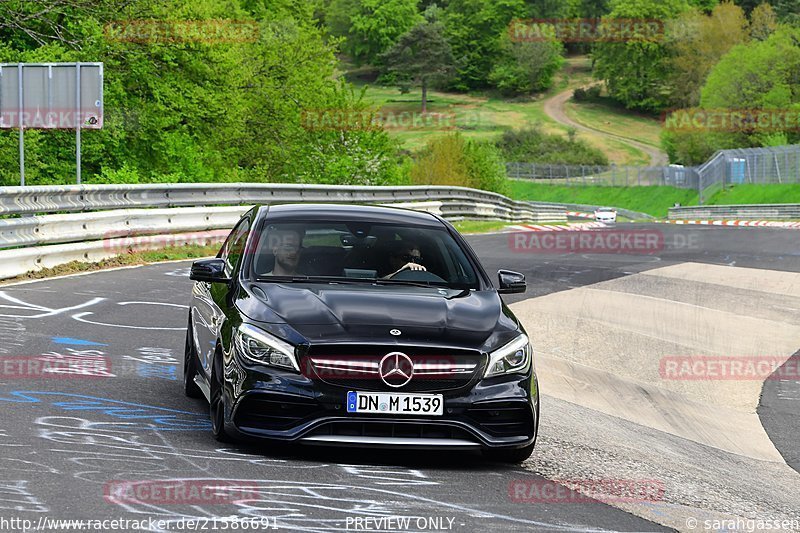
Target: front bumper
266,403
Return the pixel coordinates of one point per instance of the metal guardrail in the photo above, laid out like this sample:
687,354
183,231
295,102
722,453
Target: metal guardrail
590,208
152,220
57,229
71,198
741,212
19,261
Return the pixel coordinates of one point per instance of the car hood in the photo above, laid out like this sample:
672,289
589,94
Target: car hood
368,313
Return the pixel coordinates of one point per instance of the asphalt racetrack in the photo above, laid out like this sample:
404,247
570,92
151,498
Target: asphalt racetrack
121,441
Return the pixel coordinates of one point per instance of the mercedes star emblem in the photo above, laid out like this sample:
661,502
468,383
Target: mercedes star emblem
396,369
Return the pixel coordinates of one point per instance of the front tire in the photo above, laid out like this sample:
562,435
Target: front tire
217,403
190,388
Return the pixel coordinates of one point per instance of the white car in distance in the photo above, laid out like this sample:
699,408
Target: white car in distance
607,215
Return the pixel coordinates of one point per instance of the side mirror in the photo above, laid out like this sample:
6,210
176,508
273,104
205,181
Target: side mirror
511,282
209,270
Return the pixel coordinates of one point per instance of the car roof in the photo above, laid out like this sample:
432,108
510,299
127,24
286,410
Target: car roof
349,212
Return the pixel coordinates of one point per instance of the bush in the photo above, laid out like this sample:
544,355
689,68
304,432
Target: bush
533,146
451,160
589,94
526,67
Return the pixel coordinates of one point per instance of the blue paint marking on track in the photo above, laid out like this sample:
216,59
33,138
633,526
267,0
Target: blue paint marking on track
76,342
169,372
129,415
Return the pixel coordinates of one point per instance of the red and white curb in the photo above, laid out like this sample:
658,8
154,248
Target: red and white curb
580,214
747,223
581,226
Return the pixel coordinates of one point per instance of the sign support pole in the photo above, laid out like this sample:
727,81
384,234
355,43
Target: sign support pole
21,128
78,123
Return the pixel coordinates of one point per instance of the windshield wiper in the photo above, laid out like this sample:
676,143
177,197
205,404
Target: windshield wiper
352,281
306,279
424,284
463,293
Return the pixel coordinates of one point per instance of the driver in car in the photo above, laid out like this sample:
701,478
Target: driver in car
286,249
404,255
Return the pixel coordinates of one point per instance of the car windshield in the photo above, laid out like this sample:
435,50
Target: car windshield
358,252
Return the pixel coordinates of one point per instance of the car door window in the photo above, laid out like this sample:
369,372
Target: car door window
233,250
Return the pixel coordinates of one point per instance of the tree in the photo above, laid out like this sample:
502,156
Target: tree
370,27
758,75
533,145
526,66
697,42
421,57
452,160
217,106
474,29
763,22
636,71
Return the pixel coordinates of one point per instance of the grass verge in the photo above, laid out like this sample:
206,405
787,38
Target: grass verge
651,200
486,226
485,116
172,253
757,194
604,116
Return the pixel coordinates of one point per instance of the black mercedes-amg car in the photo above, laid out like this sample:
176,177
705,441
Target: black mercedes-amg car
359,326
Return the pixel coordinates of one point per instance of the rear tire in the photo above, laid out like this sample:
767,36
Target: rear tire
190,388
217,403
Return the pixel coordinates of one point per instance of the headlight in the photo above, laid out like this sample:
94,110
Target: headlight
260,347
514,357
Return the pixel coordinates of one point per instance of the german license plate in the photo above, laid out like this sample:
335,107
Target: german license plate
395,403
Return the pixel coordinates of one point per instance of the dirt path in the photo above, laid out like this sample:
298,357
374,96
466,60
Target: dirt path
554,108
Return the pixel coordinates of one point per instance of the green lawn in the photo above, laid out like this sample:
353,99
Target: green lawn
487,226
487,116
757,194
612,119
655,200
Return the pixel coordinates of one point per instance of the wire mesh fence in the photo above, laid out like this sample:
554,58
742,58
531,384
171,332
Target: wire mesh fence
773,165
770,165
614,176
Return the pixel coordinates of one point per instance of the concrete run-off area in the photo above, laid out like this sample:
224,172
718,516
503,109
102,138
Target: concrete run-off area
615,360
